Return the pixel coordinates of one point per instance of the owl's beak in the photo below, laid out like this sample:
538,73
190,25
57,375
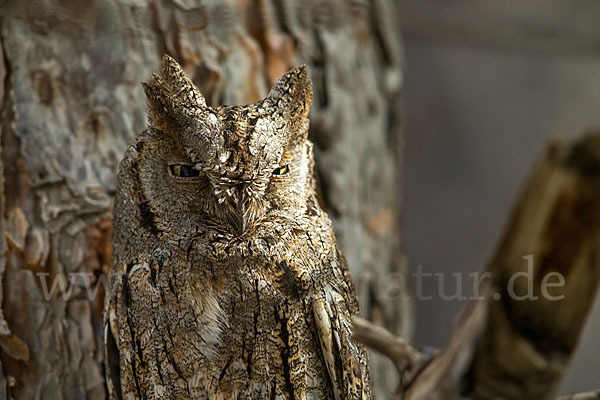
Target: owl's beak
243,210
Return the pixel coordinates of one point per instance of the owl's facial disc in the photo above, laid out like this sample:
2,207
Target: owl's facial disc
230,167
240,153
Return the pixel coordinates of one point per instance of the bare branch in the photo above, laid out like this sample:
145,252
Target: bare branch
402,354
515,342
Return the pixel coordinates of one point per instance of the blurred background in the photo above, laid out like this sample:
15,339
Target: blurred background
488,84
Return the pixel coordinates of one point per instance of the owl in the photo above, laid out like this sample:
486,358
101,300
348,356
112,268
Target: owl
226,279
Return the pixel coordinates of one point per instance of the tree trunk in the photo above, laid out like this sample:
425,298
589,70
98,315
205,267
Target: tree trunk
70,102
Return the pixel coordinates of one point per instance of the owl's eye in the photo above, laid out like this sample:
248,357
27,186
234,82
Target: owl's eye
185,171
284,169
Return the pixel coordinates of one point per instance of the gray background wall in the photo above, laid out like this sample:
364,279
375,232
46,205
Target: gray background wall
487,86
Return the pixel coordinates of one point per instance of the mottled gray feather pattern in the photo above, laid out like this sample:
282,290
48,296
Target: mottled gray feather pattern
227,281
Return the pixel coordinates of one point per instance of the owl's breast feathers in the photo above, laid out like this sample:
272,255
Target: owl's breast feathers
250,328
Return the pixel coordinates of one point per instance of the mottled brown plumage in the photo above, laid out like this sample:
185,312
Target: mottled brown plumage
227,281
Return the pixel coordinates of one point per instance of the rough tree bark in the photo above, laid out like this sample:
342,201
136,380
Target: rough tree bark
70,102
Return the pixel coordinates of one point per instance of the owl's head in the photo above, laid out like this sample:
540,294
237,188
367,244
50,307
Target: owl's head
229,167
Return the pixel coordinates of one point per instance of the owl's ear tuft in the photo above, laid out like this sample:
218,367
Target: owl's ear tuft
160,105
180,85
293,93
169,94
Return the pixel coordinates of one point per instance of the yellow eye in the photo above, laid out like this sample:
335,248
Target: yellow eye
281,170
185,171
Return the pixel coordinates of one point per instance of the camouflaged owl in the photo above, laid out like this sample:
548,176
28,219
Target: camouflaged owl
227,281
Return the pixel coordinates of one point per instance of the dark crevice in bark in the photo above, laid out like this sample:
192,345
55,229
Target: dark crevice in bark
320,64
323,183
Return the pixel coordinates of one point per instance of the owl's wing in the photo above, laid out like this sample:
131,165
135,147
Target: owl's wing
113,375
346,360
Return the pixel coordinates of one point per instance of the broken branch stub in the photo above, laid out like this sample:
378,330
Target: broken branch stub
516,340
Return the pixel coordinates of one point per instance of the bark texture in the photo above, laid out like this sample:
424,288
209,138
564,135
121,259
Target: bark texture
70,103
